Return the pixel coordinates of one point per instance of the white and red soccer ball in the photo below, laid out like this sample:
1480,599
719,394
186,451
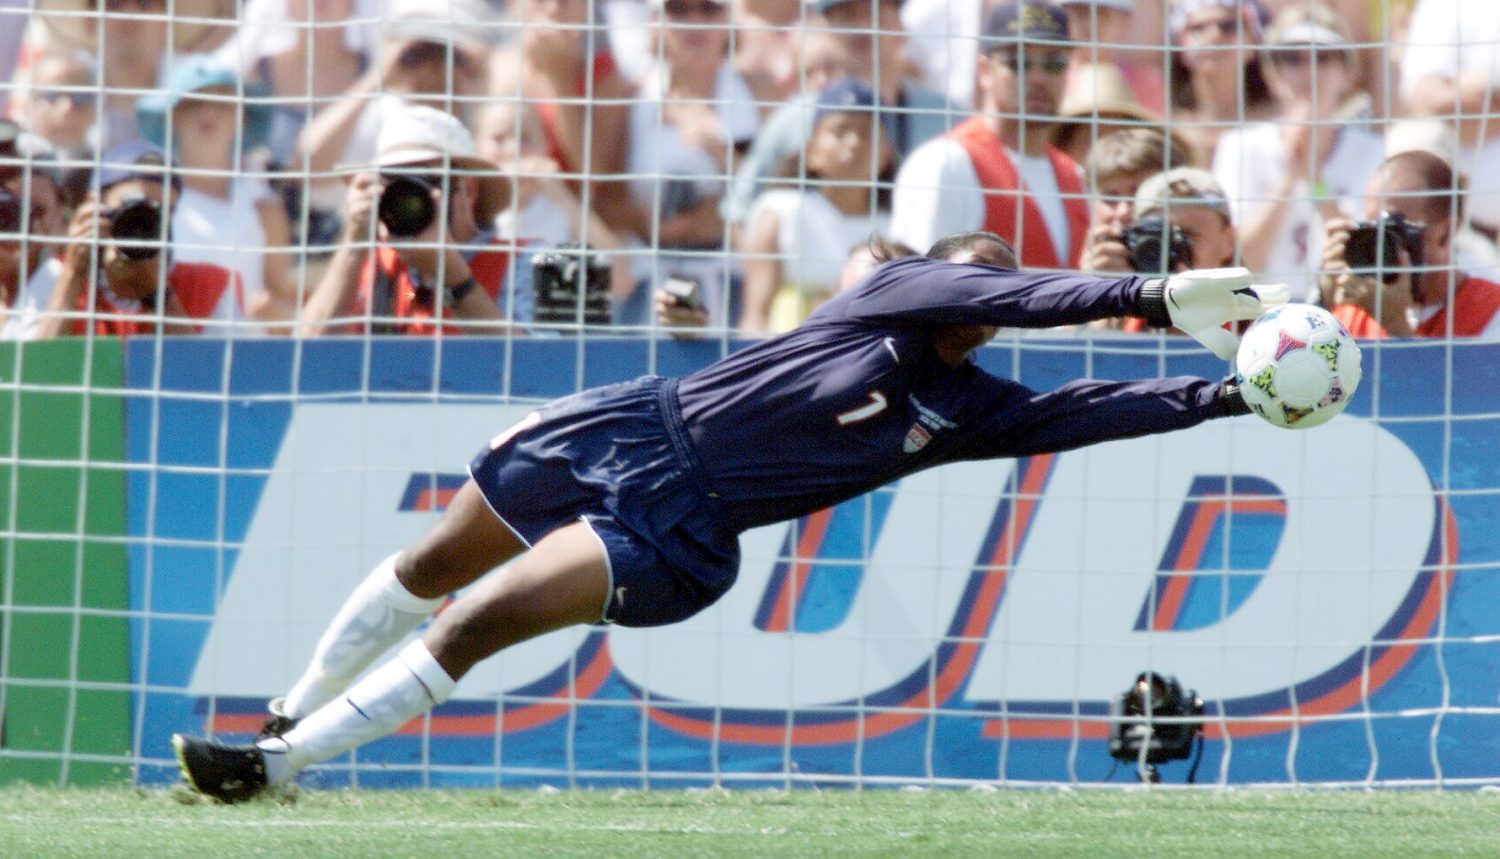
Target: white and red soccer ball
1297,366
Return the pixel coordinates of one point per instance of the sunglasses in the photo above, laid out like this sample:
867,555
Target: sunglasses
1050,62
1297,59
687,9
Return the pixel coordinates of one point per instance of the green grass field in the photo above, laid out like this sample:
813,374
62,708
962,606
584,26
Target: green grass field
161,823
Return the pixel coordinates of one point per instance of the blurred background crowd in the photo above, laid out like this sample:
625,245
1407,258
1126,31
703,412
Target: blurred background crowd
721,167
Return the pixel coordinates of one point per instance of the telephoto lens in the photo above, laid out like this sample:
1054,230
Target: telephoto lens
406,206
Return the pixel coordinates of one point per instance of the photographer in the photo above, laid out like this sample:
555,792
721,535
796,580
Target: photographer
1118,163
1199,231
118,276
1395,274
430,203
1178,220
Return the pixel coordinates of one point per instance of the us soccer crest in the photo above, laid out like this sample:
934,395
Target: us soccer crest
916,438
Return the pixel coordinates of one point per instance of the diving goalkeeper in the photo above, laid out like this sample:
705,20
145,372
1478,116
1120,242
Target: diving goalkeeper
624,504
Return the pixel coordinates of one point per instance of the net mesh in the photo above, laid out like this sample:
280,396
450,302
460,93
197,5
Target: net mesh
185,507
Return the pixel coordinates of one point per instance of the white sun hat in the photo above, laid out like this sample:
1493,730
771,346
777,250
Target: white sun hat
412,135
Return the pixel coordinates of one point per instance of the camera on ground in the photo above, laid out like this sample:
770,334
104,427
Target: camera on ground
1382,239
1155,721
1157,246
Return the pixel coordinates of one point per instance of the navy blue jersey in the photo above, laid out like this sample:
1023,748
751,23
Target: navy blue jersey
857,396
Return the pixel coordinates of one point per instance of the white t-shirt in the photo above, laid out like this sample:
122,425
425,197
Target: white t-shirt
540,221
1249,164
813,236
23,317
937,193
1446,37
225,232
943,41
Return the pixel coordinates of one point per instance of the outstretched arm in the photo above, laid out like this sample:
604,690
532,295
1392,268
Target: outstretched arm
921,291
1090,411
924,291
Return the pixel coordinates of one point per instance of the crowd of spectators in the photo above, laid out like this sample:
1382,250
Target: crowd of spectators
721,167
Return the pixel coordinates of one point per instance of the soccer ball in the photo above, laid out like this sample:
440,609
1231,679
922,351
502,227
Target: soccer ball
1297,366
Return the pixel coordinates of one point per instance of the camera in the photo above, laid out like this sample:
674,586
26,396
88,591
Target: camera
686,293
406,206
1384,236
135,227
1136,735
571,286
1157,246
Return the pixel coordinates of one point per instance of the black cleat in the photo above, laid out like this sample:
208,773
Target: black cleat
279,723
226,773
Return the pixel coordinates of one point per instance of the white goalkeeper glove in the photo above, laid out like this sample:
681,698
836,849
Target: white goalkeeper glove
1200,302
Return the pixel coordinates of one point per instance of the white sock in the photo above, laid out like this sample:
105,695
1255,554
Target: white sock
393,694
379,613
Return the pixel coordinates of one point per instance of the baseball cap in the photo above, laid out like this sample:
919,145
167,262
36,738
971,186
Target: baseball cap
134,160
1024,21
1180,187
851,95
195,74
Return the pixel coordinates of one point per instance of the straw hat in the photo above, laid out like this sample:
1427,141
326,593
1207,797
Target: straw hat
1097,94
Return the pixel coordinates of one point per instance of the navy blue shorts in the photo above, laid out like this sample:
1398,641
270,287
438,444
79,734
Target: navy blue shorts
617,457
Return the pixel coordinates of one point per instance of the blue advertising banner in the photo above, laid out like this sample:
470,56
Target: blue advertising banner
1328,593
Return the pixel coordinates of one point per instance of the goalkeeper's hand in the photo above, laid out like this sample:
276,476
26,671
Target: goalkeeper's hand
1201,301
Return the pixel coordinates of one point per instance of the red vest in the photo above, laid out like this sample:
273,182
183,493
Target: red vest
198,285
1001,183
1474,305
397,295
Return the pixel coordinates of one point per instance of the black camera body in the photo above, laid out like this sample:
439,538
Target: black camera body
406,205
1157,246
1134,724
136,228
1384,237
571,285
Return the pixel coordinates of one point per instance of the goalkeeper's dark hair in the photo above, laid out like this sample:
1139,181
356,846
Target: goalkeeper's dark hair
981,246
882,249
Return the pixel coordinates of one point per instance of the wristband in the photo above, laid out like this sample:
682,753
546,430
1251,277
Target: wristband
1151,303
1230,399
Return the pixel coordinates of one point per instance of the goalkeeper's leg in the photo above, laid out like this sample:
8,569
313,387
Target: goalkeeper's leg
397,596
562,581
